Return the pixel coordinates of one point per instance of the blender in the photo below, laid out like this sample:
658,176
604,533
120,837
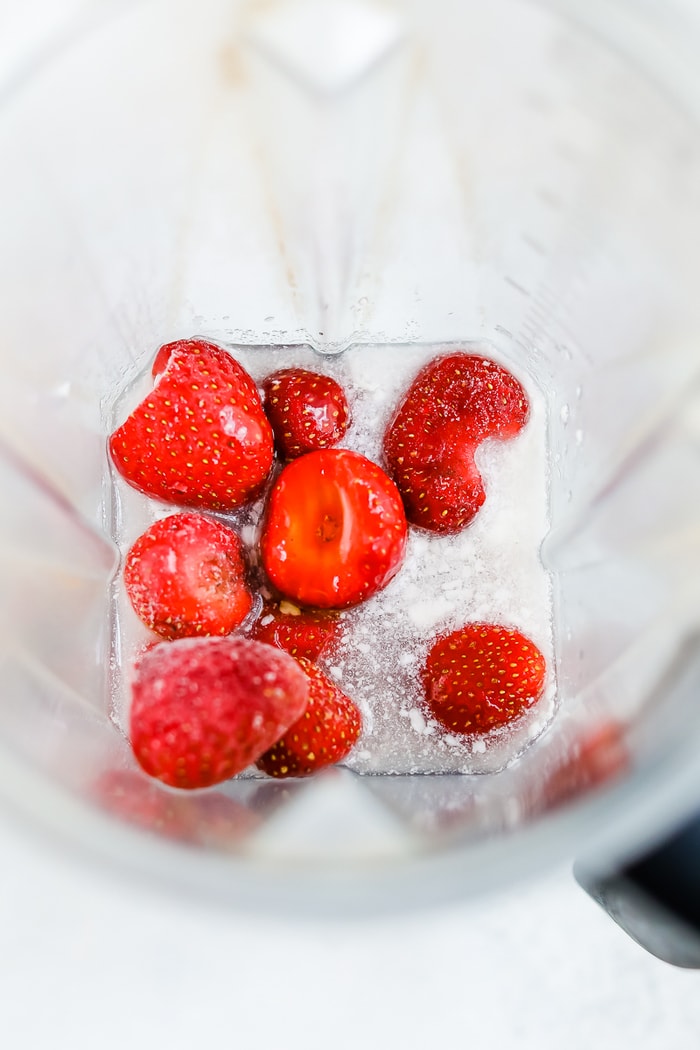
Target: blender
347,178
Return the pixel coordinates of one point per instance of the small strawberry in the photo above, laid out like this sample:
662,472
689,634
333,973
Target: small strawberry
200,438
335,530
300,632
203,709
482,676
453,404
307,411
186,576
325,733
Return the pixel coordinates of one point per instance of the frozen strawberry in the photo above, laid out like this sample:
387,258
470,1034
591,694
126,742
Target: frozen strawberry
200,438
453,404
335,530
300,632
186,576
307,411
325,733
482,676
205,708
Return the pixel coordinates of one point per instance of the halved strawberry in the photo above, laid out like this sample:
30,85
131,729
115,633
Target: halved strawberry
453,404
335,530
200,438
307,411
325,734
185,575
482,676
300,632
203,709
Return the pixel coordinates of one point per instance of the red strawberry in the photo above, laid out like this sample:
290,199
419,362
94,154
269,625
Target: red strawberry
325,733
335,531
482,676
300,632
307,411
186,576
453,404
200,438
205,708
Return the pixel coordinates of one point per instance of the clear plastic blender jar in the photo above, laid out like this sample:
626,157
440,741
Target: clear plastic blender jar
351,177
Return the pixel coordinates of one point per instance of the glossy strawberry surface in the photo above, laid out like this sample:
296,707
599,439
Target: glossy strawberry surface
482,676
307,411
335,530
200,438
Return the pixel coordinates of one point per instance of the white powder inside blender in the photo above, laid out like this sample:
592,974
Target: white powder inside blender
489,572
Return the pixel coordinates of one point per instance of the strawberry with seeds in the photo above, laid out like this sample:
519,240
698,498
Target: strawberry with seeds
186,576
200,438
324,735
481,677
307,411
455,403
203,709
335,530
300,632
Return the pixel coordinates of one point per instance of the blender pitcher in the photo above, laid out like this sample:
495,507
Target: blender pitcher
345,178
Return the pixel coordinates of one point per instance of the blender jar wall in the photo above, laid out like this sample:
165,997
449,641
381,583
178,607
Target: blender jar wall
496,176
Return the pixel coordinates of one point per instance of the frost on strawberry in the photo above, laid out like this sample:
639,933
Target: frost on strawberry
455,403
186,576
203,709
200,438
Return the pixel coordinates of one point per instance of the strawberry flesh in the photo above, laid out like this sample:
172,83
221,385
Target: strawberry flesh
325,733
482,676
456,402
203,709
300,632
335,530
186,576
200,438
307,411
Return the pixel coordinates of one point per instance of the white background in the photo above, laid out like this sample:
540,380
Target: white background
87,961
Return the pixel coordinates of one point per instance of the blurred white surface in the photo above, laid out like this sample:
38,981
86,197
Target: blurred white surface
89,961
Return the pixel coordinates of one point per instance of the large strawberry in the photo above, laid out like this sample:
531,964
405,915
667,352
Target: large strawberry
185,575
481,677
307,411
205,708
325,733
200,438
453,404
335,530
300,632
